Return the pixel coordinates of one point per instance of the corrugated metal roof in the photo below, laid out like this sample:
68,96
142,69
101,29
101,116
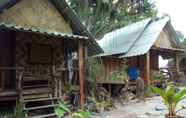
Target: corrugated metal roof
148,38
40,30
71,17
133,40
120,40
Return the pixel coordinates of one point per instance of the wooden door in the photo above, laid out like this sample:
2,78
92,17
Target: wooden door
7,52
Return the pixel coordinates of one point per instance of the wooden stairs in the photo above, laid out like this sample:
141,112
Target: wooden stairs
36,96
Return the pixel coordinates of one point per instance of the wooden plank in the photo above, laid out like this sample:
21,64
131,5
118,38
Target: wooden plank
177,63
81,73
147,69
44,116
42,99
60,87
41,107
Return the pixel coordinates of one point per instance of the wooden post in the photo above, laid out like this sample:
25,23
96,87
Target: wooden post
54,84
81,73
177,63
147,69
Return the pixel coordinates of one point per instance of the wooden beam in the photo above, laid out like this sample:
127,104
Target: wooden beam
177,63
81,56
147,69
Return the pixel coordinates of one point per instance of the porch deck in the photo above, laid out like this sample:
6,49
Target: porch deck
8,95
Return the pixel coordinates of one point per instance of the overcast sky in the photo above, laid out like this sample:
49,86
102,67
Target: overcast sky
177,11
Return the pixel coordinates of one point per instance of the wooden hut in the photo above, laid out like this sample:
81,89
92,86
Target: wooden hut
43,46
139,44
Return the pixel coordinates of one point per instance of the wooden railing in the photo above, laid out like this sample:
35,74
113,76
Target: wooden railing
6,73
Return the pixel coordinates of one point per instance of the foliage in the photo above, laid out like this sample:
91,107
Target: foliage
158,75
105,105
61,109
6,115
120,73
69,88
171,97
102,16
18,113
95,70
82,114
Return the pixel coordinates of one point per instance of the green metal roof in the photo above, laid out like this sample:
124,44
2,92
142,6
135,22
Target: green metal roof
143,44
120,40
133,40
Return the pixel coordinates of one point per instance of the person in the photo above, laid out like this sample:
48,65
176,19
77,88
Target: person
133,73
134,76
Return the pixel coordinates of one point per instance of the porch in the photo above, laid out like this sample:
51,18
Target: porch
38,65
148,64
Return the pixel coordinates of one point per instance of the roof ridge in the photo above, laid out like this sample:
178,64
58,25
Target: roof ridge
164,19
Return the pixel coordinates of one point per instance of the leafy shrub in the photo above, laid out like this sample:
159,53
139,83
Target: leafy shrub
171,97
61,109
82,114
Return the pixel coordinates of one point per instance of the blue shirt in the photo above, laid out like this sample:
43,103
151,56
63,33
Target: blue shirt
133,73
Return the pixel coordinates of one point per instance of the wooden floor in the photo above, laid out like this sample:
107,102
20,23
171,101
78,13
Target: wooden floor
8,95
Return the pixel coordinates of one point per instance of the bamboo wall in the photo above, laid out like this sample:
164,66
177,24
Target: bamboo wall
110,65
22,48
22,58
36,13
164,40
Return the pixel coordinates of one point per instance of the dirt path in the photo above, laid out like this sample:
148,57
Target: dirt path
150,108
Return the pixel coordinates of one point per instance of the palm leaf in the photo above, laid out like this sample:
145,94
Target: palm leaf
180,95
170,93
159,91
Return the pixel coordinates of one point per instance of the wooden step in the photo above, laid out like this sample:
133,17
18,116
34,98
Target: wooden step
41,99
35,91
40,107
37,78
44,116
30,97
35,86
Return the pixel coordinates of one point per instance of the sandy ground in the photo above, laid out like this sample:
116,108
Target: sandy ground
150,108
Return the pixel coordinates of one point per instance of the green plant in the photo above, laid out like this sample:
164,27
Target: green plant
171,97
95,69
19,112
120,73
61,109
102,16
157,75
105,104
82,114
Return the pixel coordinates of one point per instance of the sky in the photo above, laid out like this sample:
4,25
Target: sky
176,10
